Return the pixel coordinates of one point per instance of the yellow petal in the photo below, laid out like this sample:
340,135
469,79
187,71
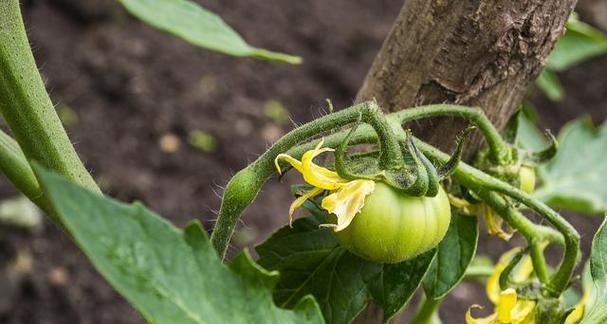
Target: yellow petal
484,320
469,209
523,312
505,305
300,200
346,202
493,286
291,160
494,223
316,175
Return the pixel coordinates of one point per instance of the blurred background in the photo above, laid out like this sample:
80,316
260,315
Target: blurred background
160,121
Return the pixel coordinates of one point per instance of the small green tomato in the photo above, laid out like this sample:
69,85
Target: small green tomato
393,227
526,177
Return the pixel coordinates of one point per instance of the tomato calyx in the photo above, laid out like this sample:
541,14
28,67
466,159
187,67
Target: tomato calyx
414,174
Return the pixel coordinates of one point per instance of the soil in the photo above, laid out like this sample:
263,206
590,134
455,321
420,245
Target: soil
137,94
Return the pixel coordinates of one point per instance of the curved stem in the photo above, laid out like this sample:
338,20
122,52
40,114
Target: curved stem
390,157
244,186
481,182
533,233
426,311
500,150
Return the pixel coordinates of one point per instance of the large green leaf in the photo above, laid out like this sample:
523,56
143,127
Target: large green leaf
596,310
455,252
312,262
575,178
198,26
580,42
169,275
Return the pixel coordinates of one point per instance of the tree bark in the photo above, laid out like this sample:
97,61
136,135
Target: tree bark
481,53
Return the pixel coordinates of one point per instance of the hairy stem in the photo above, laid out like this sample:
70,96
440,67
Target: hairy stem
15,167
26,106
500,150
244,186
426,311
483,183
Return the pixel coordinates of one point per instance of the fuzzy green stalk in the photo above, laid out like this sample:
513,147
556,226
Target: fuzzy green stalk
27,108
242,189
427,311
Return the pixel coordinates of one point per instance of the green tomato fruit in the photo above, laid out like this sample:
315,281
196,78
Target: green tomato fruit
526,177
393,227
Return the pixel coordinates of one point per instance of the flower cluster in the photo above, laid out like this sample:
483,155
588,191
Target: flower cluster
346,197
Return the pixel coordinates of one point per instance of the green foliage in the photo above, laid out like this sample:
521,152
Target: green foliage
581,42
169,275
312,262
575,178
550,85
454,255
596,310
198,26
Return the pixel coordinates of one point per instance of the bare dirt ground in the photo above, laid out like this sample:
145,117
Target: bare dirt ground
130,86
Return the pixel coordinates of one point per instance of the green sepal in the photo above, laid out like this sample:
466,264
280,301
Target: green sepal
546,154
446,169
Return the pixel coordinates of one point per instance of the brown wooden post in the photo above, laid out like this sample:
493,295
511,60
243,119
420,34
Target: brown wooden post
481,53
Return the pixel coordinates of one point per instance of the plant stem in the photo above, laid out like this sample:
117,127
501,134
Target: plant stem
481,182
525,227
500,150
14,165
242,189
26,106
426,311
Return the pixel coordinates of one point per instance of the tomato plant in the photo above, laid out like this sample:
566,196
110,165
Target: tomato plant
395,215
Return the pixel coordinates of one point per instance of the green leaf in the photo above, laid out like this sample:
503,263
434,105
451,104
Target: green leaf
198,26
454,255
550,85
575,178
581,42
395,285
596,311
312,262
168,275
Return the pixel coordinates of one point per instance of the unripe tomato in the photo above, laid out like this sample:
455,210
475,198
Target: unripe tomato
393,227
526,177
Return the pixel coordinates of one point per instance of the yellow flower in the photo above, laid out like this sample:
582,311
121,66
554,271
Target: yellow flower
493,220
509,308
346,198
